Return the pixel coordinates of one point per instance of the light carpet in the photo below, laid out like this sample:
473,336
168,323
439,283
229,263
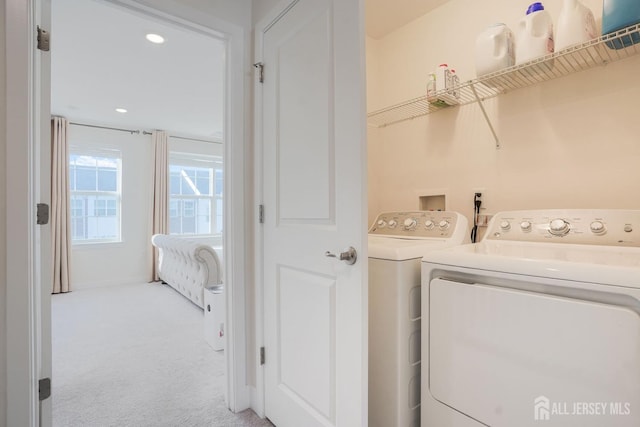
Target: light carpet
134,355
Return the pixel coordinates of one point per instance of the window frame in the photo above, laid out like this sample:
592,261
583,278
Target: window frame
197,160
97,195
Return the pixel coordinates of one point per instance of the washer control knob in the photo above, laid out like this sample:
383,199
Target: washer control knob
444,224
382,223
597,227
393,223
525,226
428,224
410,224
628,228
505,225
558,227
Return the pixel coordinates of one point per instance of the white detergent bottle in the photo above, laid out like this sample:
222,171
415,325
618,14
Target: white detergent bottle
495,49
534,34
576,25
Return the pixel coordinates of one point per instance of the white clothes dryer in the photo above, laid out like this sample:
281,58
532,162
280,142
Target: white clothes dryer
397,242
536,325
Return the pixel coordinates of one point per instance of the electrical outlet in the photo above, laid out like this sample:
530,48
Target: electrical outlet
482,197
483,220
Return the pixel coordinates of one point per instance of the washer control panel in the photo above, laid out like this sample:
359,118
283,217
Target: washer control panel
577,226
419,224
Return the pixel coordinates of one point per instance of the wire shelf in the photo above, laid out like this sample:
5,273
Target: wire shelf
600,51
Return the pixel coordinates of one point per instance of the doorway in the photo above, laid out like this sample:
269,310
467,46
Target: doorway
77,84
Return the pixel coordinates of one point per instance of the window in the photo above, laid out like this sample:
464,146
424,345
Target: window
195,201
95,196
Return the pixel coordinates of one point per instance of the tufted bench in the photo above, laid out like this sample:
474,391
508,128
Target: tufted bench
187,265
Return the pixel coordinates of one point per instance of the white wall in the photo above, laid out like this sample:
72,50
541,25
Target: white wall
3,238
128,261
568,143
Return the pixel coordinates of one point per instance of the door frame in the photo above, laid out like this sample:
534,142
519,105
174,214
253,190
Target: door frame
23,311
22,293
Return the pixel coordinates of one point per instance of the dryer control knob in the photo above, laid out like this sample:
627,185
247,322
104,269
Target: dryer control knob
558,227
597,227
428,224
525,225
382,223
393,223
505,225
444,224
410,224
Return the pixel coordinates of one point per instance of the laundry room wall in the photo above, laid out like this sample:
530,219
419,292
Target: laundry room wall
567,143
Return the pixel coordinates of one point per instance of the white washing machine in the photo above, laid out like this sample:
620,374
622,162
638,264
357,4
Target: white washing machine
397,242
536,325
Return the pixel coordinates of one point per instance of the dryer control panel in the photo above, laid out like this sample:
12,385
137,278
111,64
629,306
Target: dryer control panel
418,224
576,226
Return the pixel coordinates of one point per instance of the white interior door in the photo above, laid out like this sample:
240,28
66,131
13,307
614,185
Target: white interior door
315,196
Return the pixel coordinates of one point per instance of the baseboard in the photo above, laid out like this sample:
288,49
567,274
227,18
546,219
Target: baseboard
110,282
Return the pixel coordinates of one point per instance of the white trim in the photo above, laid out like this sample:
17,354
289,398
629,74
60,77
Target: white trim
22,304
22,308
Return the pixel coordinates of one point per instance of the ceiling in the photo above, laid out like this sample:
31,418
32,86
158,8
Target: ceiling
101,61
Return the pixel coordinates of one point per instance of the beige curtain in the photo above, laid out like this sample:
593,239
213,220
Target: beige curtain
60,206
160,222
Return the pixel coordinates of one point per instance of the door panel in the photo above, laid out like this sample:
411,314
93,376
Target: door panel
305,143
306,307
313,177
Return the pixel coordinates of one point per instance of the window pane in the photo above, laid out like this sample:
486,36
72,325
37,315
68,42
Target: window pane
188,185
219,216
107,179
85,178
219,182
72,177
174,208
202,182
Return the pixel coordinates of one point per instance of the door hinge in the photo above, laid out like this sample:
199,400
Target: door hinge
261,356
42,213
43,39
261,214
260,67
44,388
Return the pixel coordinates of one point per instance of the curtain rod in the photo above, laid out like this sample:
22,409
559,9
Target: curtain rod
131,131
144,132
195,139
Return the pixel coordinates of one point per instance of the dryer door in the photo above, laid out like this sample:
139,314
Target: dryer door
508,357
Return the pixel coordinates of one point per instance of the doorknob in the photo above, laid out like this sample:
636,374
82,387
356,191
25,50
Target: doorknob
350,256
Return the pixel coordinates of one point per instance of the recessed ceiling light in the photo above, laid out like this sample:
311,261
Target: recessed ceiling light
121,110
155,38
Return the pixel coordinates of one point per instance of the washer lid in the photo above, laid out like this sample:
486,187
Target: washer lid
396,249
584,263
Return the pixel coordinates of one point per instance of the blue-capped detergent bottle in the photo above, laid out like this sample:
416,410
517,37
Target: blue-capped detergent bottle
618,14
534,34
